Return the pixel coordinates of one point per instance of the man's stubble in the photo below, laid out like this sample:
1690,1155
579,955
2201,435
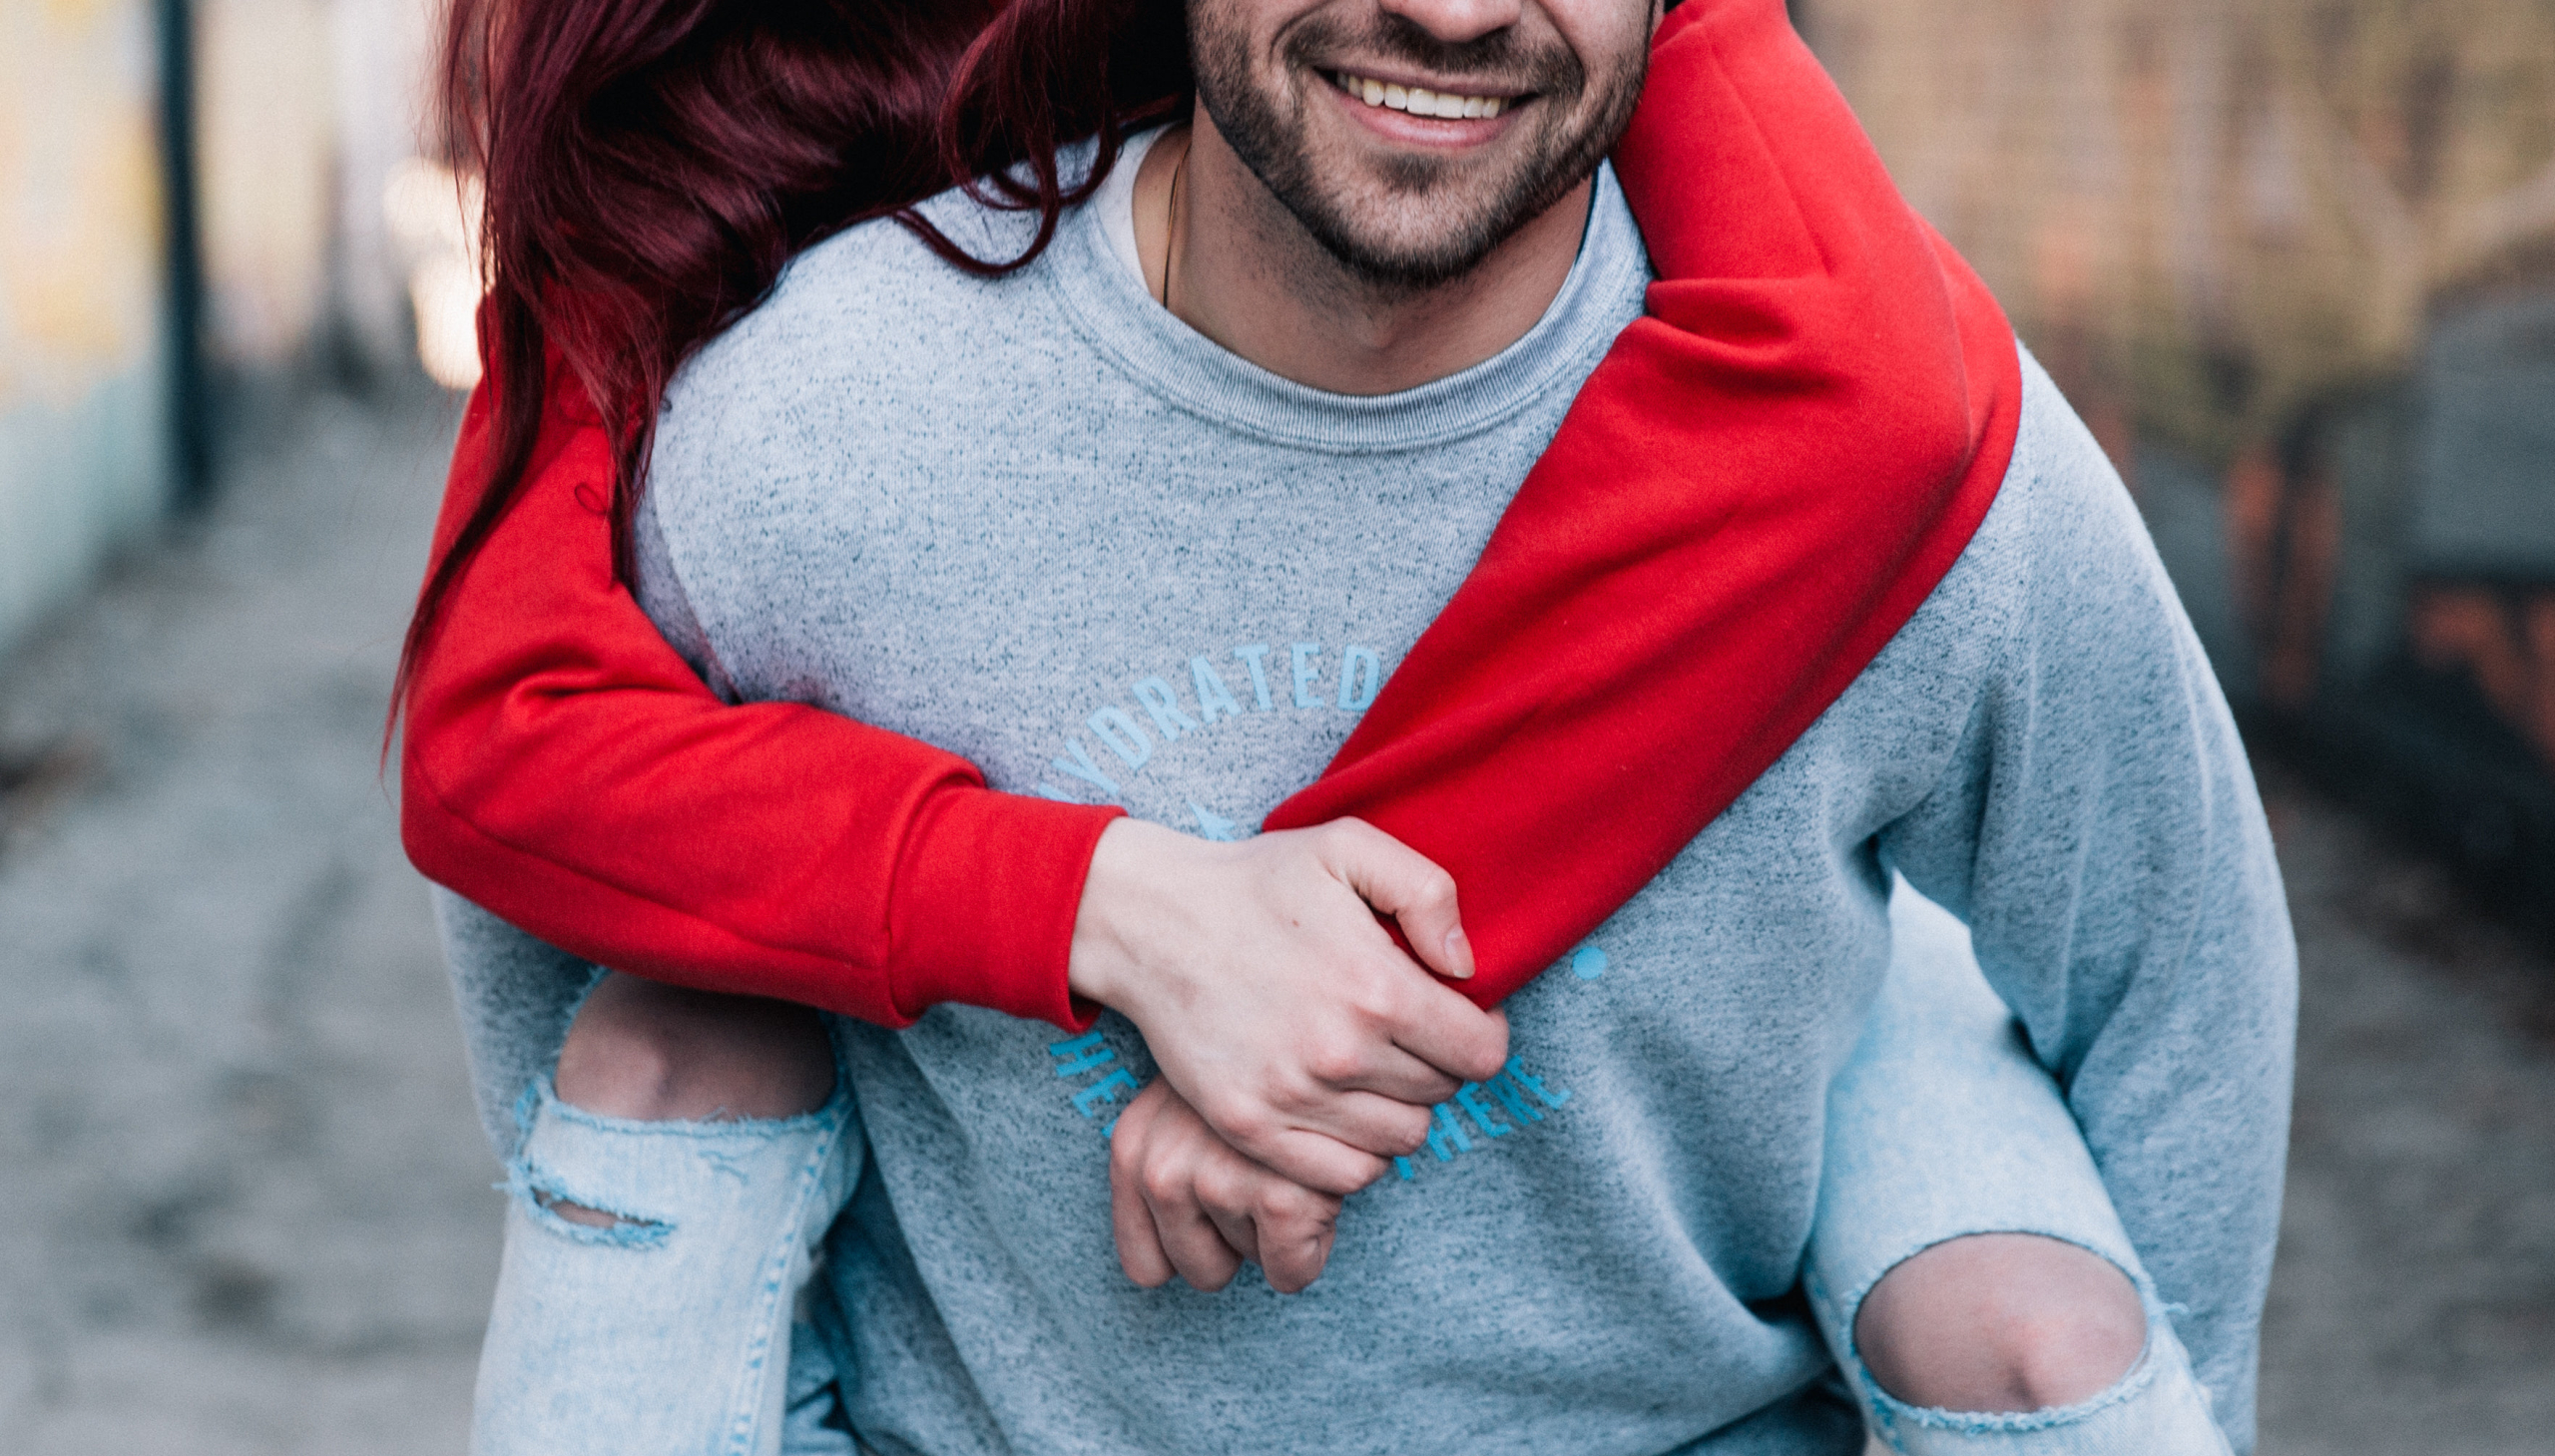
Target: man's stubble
1469,217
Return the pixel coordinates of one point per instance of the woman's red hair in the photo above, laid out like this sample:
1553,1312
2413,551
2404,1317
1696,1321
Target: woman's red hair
651,165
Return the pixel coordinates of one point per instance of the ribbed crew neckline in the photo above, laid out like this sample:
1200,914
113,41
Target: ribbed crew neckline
1107,303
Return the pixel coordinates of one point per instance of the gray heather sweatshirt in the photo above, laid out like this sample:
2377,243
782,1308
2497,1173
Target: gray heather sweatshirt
1039,522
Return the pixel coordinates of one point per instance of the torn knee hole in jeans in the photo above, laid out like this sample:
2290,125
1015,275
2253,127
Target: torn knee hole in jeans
576,1213
585,1219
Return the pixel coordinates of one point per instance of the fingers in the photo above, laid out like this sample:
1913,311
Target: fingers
1367,1122
1438,1026
1189,1238
1294,1242
1321,1161
1394,1073
1140,1251
1184,1205
1222,1189
1405,884
1157,1156
1284,1229
1453,1035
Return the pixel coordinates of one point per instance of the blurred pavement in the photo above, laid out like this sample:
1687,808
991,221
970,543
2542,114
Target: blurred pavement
2412,1308
244,1204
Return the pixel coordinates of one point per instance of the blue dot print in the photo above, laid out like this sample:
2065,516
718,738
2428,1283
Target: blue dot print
1588,963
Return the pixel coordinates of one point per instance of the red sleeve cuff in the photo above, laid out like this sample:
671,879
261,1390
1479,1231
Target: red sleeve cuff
986,898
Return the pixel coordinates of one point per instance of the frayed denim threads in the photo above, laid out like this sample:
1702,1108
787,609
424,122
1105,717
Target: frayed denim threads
671,1329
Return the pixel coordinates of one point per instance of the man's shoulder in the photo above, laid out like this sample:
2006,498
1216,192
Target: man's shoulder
2059,587
883,259
2061,563
2062,519
864,295
868,331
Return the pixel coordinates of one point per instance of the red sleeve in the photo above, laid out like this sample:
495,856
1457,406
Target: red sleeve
564,769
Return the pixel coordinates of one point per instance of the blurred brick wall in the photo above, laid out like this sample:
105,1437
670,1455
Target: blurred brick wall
2294,261
2207,215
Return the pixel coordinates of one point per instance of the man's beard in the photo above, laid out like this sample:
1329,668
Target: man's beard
1462,224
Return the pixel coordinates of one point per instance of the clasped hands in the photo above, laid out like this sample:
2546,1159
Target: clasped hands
1300,1047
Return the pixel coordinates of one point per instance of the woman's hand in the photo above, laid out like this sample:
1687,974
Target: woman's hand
1271,998
1183,1204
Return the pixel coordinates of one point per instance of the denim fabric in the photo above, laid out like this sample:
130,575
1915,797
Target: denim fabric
671,1329
1942,1124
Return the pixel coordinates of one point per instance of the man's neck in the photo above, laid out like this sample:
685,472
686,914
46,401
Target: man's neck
1241,270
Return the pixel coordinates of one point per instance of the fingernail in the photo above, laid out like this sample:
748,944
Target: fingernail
1460,953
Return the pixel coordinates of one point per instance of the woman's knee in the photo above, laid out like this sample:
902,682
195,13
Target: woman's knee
649,1052
2002,1322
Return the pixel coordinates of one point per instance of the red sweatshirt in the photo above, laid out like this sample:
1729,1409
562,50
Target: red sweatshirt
1753,493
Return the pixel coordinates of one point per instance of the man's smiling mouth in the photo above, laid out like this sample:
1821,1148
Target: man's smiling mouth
1419,101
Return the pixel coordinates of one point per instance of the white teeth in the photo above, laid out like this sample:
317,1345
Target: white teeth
1419,101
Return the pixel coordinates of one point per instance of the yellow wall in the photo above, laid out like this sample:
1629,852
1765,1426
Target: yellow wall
81,462
266,150
83,410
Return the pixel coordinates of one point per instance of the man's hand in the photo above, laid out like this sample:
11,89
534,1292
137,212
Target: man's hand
1271,998
1182,1203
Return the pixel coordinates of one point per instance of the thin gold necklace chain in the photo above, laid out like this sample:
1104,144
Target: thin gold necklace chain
1171,242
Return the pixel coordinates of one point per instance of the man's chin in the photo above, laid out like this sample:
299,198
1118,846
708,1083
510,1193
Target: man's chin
1374,238
1406,266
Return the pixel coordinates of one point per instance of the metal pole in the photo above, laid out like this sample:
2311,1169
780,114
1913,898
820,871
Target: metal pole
190,452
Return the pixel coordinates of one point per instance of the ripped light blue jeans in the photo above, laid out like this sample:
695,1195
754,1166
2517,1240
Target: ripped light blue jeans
670,1330
1941,1125
674,1331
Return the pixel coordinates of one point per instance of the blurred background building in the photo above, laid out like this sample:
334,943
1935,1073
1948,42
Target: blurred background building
176,258
2295,261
